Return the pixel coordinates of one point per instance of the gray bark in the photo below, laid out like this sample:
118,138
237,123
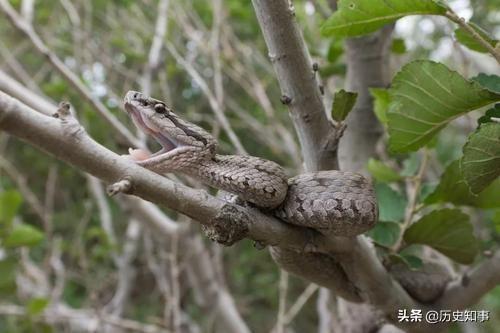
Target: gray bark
294,70
367,66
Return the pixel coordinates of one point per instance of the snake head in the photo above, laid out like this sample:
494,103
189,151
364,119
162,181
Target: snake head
182,142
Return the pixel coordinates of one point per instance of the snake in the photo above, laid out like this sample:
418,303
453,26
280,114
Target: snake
333,202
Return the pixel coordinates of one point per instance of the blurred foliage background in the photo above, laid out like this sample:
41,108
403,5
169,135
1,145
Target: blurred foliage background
106,44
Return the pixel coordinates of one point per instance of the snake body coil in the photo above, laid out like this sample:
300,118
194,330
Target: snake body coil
333,202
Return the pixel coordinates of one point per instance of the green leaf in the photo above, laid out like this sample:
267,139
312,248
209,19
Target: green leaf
23,235
490,82
452,188
411,261
381,103
410,165
398,46
491,113
426,96
37,305
10,201
358,17
385,233
382,172
332,69
8,277
496,221
335,50
480,164
343,102
447,231
425,190
464,38
391,204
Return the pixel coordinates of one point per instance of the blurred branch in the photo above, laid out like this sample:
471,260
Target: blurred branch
214,104
24,27
17,68
367,67
283,293
58,268
494,51
81,319
218,13
17,90
154,56
299,303
325,314
126,272
28,195
209,293
468,289
27,10
95,188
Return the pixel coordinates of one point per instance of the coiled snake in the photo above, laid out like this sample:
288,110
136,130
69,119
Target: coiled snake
333,202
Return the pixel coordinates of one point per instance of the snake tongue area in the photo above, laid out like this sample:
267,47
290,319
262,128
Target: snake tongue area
167,143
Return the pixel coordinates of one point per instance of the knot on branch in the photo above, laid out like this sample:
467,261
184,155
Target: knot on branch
331,142
285,100
124,185
69,123
229,226
63,110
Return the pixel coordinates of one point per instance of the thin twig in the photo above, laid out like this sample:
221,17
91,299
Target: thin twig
473,33
413,188
34,203
283,292
215,106
23,26
300,302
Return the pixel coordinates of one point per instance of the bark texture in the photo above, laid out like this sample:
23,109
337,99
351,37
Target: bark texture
367,67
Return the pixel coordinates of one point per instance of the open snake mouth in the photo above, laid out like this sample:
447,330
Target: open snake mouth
141,121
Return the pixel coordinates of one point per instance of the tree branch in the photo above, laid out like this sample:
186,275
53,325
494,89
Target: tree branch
290,58
301,93
495,52
71,144
367,67
23,26
467,290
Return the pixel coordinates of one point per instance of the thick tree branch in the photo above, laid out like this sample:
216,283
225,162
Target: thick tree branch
294,72
150,214
473,285
71,144
300,91
367,67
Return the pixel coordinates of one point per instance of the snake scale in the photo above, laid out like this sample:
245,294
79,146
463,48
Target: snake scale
332,202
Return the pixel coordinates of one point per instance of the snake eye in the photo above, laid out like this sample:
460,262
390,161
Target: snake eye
160,108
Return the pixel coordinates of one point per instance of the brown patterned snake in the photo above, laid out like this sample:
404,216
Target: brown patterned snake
332,202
